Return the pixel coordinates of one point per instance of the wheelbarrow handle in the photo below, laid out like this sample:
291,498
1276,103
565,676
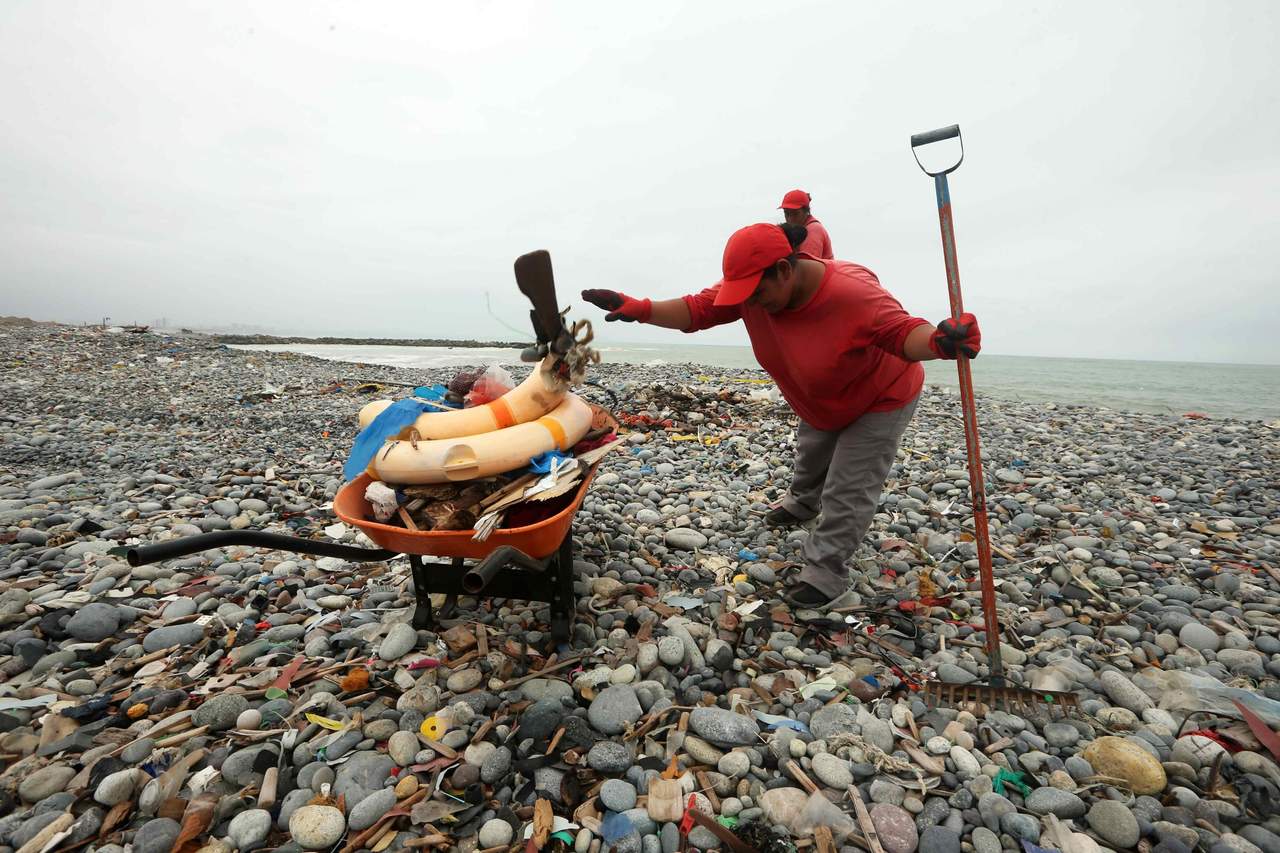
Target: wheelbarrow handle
146,554
930,136
479,575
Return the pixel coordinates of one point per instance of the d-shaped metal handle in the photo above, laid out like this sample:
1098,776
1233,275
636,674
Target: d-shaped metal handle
930,136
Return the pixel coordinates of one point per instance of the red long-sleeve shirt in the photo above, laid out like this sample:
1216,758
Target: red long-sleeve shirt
837,357
817,242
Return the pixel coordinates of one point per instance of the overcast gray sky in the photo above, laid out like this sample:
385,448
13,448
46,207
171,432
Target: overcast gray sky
374,169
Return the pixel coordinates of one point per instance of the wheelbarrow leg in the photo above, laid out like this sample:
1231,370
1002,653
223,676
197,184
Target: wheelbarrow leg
423,618
562,599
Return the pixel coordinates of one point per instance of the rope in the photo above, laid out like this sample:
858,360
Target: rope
881,760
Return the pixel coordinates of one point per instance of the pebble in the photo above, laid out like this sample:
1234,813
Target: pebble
317,827
156,835
832,771
722,727
249,829
44,782
495,833
617,795
400,640
1063,804
94,622
366,812
895,827
1122,759
614,708
1114,823
221,712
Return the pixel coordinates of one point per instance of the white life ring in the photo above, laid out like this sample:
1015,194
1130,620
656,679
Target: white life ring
531,399
485,454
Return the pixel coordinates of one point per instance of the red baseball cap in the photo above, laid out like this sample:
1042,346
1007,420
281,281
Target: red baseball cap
795,200
749,252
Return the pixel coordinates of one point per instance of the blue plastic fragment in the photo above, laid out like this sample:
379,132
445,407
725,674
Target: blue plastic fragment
795,725
542,463
436,394
748,556
389,422
614,826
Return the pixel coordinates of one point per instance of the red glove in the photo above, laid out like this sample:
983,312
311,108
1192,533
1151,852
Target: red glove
620,306
961,335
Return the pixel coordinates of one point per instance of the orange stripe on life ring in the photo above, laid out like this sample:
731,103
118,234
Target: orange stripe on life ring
557,432
502,414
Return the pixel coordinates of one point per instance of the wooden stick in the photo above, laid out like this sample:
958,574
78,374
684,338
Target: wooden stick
708,791
793,768
864,820
174,740
546,670
374,831
407,519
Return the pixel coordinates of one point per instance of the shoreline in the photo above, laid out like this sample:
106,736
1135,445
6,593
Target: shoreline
269,340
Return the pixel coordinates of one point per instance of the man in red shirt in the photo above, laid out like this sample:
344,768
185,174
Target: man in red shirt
843,353
795,208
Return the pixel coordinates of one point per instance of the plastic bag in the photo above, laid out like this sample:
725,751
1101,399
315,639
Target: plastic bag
492,384
1180,690
819,811
383,500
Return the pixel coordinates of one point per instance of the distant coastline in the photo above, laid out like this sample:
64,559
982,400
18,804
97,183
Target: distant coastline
264,340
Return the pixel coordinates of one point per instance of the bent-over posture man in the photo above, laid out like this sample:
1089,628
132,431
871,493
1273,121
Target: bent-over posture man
843,353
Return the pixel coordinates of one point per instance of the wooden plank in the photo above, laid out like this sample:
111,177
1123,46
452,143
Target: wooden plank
864,820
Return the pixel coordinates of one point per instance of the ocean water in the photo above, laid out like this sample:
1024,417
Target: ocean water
1246,391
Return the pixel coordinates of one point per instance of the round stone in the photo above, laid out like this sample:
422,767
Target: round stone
317,827
1115,756
1055,801
832,771
671,651
734,764
617,795
44,782
495,833
895,827
1114,823
249,720
94,622
400,640
365,813
403,747
249,829
1202,638
614,709
220,712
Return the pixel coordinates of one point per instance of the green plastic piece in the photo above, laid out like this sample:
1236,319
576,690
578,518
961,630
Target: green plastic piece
1013,779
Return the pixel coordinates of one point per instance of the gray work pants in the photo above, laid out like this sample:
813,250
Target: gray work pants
840,474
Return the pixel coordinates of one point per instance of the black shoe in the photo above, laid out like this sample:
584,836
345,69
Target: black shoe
808,597
782,517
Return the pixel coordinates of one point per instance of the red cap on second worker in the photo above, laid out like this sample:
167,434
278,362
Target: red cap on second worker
795,200
749,252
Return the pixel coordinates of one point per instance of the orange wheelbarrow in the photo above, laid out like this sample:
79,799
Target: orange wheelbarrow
530,563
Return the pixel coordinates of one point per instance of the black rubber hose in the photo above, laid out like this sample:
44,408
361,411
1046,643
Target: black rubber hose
146,554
